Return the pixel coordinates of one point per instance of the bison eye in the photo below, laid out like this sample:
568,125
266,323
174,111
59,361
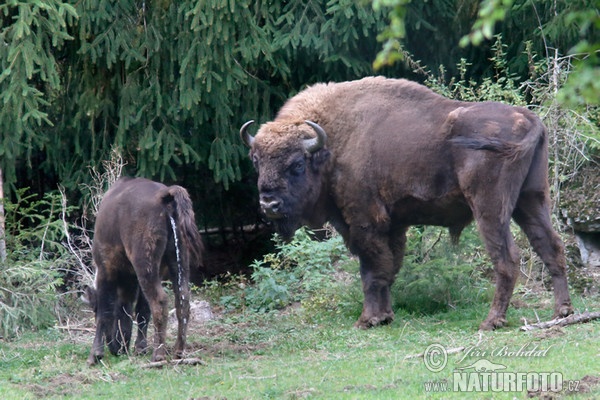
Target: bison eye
255,161
297,168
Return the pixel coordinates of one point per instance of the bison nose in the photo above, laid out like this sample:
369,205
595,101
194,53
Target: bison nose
271,206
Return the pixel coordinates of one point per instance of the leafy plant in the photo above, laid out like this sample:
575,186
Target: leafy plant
30,274
300,269
437,275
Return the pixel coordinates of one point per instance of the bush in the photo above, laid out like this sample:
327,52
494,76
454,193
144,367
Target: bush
300,269
30,274
437,275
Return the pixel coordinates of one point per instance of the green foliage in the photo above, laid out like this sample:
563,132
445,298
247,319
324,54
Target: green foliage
437,275
30,77
168,83
502,86
30,274
490,12
393,33
300,269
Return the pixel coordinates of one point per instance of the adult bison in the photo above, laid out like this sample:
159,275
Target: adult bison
377,155
144,231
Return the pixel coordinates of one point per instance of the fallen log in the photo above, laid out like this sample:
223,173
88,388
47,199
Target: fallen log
182,361
570,320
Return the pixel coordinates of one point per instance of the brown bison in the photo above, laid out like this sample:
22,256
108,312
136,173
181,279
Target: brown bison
144,232
377,155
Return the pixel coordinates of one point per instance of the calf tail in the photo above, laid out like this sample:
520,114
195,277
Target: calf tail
180,208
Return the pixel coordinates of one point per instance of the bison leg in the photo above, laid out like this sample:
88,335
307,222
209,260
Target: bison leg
533,216
377,271
105,300
501,247
142,317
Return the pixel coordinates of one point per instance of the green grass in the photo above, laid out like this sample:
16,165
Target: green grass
286,355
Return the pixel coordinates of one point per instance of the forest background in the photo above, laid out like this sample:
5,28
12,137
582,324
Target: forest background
167,84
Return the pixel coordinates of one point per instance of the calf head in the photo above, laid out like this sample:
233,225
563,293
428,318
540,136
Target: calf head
290,161
89,297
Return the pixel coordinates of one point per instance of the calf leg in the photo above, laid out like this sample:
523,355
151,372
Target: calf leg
180,277
106,293
147,268
533,216
121,335
142,317
158,307
126,294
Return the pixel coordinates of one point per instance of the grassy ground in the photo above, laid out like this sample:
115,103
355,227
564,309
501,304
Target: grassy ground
289,354
309,349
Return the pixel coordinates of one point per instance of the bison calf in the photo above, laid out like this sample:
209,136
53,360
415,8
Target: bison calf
378,155
144,231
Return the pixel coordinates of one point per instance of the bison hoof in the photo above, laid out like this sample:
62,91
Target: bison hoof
370,322
563,311
159,354
491,324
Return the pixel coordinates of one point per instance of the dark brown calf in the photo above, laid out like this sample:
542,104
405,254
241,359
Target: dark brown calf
145,231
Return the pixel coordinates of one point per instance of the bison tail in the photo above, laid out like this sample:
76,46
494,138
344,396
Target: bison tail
509,150
180,208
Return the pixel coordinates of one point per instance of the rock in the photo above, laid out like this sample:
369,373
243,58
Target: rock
200,312
580,209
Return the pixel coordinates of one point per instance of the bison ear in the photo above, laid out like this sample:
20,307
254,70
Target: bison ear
318,159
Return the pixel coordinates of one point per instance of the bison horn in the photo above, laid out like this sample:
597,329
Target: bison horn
314,144
246,137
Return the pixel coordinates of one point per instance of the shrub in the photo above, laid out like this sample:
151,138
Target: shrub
437,275
299,270
30,274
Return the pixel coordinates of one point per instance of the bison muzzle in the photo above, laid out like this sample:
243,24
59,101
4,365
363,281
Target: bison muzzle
378,155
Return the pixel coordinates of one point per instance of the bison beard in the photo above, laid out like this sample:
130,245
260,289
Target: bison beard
402,155
286,227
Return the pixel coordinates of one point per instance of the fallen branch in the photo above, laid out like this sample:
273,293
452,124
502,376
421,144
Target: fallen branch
183,361
75,328
258,377
570,320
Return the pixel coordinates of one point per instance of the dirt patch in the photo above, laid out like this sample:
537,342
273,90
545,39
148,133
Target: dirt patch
553,332
587,383
69,384
575,387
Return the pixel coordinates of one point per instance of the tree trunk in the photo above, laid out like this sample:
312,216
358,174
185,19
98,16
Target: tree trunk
2,241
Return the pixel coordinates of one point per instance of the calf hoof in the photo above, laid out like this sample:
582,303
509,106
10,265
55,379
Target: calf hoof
93,359
492,323
140,350
375,320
